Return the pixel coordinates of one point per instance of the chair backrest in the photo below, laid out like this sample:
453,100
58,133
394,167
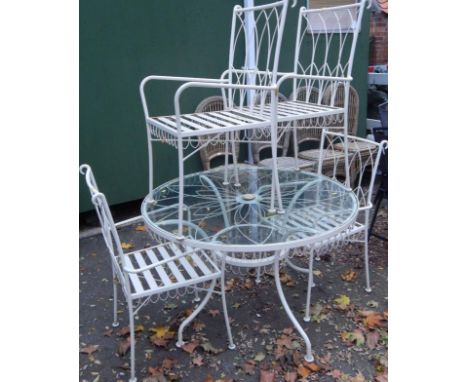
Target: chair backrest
365,156
325,45
216,147
109,231
338,91
306,128
262,27
306,131
263,135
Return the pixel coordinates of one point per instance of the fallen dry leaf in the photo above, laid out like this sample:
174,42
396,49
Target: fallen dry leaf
349,275
126,245
229,285
198,360
287,279
208,378
108,333
162,331
290,376
140,228
248,284
189,347
381,378
214,312
342,301
198,325
161,342
356,337
358,378
123,331
124,345
335,373
209,348
249,367
89,349
373,320
303,371
372,339
312,366
267,376
167,363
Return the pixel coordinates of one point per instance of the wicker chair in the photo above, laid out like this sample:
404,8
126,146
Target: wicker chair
314,134
284,161
283,139
213,149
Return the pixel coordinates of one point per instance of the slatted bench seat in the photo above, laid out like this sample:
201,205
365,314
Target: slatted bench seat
199,124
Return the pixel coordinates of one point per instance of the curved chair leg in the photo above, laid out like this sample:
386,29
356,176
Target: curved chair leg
366,253
132,340
231,345
189,319
114,283
310,285
308,357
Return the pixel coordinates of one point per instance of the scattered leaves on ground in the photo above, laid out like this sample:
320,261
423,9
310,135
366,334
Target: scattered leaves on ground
349,276
126,246
89,349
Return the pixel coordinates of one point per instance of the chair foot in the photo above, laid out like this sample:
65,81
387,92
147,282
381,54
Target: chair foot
179,344
237,185
232,346
368,290
307,319
225,183
115,324
132,380
309,358
197,299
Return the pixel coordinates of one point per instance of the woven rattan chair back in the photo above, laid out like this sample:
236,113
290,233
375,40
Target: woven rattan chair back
264,139
335,94
215,148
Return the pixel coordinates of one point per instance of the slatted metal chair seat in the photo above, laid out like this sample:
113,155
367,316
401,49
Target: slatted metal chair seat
316,220
285,163
237,119
175,271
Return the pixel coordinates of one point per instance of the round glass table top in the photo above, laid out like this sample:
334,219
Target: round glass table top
227,217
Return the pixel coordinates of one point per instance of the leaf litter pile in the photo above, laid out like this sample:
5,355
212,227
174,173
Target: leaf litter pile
348,327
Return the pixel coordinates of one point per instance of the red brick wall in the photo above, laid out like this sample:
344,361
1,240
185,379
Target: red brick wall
379,38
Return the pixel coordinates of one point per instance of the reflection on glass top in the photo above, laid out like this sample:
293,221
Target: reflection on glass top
241,215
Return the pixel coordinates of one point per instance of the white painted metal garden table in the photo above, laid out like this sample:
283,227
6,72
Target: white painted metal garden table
237,222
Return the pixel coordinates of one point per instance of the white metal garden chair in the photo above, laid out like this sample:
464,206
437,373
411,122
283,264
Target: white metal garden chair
147,273
324,54
362,162
239,87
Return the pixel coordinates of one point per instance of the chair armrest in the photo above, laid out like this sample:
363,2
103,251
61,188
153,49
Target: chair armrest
170,78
